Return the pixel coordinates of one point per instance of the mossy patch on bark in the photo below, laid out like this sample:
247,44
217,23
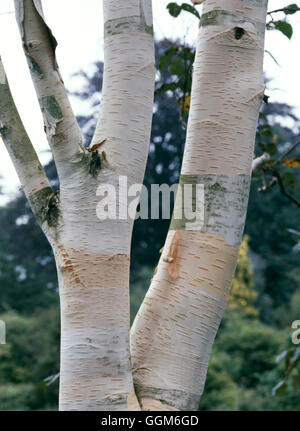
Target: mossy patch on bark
94,161
227,18
172,397
128,24
3,131
45,205
34,67
223,209
52,113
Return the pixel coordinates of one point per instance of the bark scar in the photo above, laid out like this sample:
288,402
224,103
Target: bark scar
52,211
96,160
171,259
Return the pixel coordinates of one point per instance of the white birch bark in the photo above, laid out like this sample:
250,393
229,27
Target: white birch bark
174,330
39,46
92,255
31,173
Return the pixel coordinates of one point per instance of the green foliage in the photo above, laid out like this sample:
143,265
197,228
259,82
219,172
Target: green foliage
291,9
242,369
176,64
285,28
290,180
278,168
286,315
31,353
282,26
289,358
16,397
243,296
28,277
175,9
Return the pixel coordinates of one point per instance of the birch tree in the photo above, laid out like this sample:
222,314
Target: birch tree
173,333
174,330
92,255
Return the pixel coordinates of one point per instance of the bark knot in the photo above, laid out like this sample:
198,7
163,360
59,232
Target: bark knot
52,209
238,32
96,159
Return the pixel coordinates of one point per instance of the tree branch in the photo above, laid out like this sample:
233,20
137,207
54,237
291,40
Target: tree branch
260,160
283,189
288,152
289,9
174,330
63,133
128,86
28,167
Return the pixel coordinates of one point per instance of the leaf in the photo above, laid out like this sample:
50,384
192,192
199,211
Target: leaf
174,9
289,180
191,9
187,54
293,162
284,27
185,103
265,130
165,60
280,388
271,149
171,86
263,116
292,8
177,67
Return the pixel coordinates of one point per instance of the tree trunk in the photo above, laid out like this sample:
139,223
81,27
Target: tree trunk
92,254
174,330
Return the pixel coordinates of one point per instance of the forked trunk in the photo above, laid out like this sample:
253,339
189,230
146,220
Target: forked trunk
91,250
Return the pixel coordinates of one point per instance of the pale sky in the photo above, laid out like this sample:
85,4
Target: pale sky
78,30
